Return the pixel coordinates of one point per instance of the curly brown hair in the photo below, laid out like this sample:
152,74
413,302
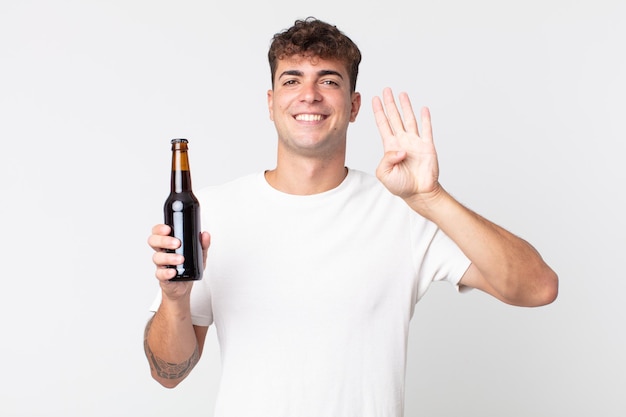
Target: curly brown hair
314,38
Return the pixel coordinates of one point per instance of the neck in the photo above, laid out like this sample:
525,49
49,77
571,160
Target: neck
307,177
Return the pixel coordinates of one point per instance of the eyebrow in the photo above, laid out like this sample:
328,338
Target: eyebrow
299,73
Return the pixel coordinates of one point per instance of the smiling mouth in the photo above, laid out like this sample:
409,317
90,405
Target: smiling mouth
310,117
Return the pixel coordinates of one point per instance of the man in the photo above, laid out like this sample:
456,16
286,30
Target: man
314,269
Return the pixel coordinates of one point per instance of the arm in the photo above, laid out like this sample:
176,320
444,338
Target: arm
173,345
503,265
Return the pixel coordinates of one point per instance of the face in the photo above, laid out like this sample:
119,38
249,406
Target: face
311,106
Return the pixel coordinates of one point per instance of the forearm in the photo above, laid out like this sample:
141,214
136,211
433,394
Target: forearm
170,344
508,266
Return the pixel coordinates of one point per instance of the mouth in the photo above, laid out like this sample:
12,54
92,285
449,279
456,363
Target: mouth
309,117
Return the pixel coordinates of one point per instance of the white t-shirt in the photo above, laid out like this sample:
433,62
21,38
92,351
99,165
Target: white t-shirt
311,296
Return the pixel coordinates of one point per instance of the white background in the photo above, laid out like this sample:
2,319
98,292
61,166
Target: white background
528,104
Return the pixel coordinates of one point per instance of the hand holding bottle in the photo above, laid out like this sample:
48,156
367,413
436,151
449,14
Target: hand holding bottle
164,257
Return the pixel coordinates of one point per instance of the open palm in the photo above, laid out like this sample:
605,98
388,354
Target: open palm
409,167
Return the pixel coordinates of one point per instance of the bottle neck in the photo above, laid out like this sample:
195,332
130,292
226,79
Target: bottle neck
181,176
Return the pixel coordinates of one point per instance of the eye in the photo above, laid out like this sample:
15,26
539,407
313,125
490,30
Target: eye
331,82
290,82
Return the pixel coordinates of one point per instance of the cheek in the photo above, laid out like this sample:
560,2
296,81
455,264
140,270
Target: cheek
277,109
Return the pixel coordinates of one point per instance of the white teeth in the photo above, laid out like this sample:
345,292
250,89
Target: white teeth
309,117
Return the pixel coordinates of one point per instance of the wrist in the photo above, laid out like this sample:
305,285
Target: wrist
176,306
428,204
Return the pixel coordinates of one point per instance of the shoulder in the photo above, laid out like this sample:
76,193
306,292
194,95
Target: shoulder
233,187
226,199
365,185
364,181
368,191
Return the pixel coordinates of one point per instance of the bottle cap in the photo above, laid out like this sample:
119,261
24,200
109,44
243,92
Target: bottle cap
179,140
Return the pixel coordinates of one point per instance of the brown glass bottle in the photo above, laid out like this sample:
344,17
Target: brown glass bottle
182,214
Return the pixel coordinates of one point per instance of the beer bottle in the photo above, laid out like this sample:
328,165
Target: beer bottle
182,214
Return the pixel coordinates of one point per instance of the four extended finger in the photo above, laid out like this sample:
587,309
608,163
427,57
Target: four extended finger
410,121
427,127
381,119
393,115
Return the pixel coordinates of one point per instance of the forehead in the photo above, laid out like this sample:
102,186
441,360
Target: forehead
310,63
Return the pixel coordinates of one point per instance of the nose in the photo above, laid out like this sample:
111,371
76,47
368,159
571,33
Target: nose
310,93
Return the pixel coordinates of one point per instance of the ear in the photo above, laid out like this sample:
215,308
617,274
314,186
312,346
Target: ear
356,105
270,103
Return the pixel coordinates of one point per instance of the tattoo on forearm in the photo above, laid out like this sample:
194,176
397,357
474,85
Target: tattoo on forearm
168,370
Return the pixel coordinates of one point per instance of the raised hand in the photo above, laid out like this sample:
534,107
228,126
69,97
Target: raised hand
409,167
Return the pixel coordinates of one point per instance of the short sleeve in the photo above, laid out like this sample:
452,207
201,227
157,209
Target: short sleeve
201,310
201,306
438,258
